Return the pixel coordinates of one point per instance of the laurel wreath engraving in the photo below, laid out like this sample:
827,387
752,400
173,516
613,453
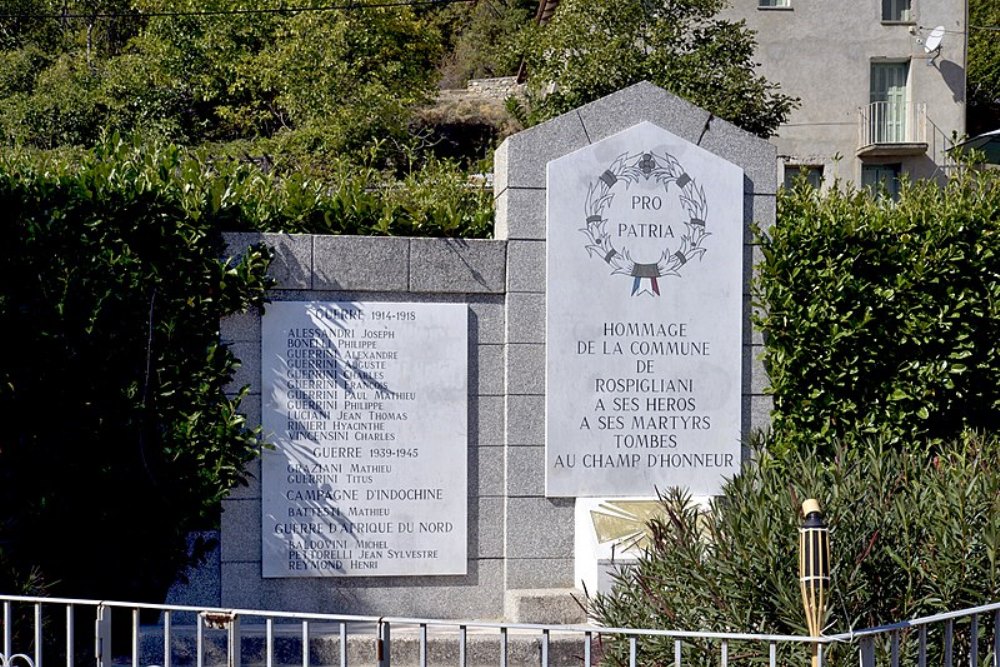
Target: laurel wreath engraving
629,169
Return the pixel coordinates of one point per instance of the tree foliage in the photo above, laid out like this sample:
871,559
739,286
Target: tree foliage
880,317
913,533
344,77
983,82
592,48
482,39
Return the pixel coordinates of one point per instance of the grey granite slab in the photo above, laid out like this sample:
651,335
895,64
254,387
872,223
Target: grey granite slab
540,572
525,420
457,265
526,266
540,527
486,318
525,317
526,471
486,420
486,370
643,102
241,526
520,160
292,266
524,364
367,263
240,327
520,214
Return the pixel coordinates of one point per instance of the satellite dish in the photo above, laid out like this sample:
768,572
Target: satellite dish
933,41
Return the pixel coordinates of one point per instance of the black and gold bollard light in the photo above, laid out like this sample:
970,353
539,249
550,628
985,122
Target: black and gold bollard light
814,569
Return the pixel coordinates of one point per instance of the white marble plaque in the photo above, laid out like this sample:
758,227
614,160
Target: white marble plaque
644,316
366,404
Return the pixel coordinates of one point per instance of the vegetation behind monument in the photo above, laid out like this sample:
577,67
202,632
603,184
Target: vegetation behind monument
882,318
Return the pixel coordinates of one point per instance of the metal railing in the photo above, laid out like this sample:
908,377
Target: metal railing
881,123
41,631
956,637
265,634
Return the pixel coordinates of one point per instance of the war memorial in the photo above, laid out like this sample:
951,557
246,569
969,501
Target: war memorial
475,428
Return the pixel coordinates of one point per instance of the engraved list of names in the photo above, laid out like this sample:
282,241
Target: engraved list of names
366,404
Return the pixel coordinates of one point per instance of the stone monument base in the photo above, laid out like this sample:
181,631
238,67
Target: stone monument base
564,606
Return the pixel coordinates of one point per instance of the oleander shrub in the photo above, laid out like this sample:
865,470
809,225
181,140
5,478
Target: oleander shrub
913,532
882,317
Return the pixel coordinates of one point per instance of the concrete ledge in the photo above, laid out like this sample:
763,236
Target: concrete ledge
545,605
470,266
292,267
365,263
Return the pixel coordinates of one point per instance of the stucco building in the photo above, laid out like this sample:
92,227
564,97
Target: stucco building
875,103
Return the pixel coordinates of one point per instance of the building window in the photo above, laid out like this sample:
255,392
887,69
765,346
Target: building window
887,111
897,11
813,175
773,4
878,176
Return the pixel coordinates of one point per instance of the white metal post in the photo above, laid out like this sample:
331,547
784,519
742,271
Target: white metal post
102,636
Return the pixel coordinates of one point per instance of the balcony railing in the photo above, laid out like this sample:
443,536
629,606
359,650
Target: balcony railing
892,128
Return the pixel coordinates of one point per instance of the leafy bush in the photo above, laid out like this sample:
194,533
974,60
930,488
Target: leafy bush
240,193
913,533
118,438
883,317
983,67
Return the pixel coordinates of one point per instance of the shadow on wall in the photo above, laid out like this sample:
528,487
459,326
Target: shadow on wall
954,76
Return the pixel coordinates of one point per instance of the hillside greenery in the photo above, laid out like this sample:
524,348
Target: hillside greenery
592,48
334,79
296,85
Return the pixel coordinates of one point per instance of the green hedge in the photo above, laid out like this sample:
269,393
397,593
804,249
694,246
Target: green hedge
118,439
883,317
239,192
